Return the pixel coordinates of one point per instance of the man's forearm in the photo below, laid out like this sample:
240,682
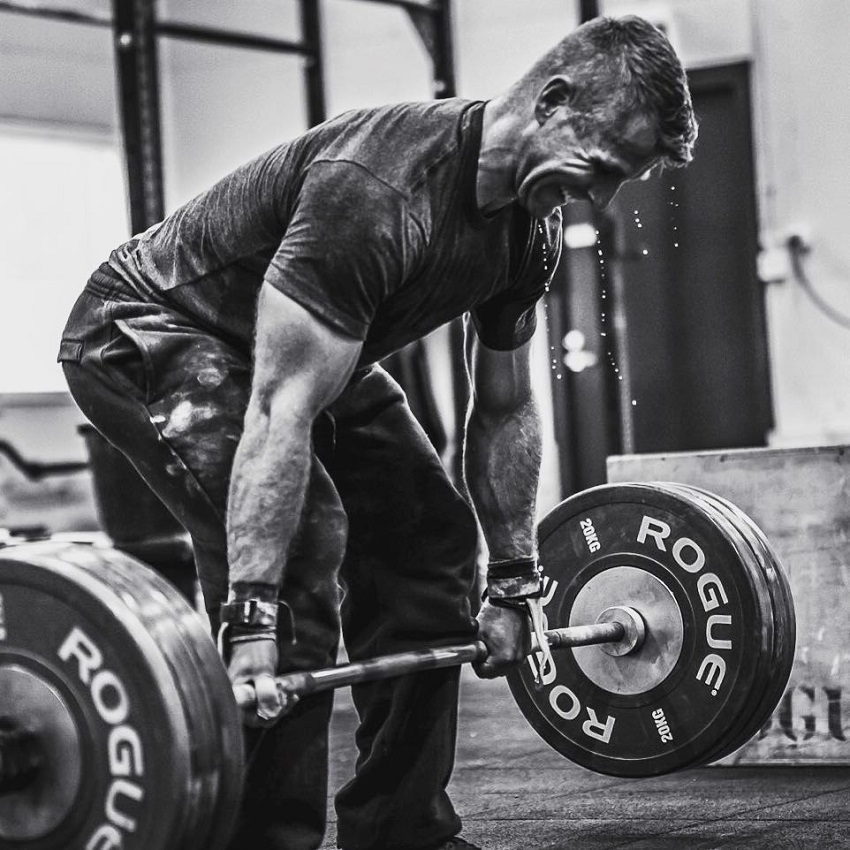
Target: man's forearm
502,469
267,491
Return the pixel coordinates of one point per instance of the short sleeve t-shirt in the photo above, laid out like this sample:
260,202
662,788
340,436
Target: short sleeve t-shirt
369,221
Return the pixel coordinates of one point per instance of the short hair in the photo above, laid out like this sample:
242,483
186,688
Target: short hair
629,62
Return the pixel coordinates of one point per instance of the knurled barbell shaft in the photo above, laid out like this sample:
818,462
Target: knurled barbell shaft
399,664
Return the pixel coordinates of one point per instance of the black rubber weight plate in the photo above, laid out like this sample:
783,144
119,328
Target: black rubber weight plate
160,741
206,692
770,654
67,629
652,542
783,612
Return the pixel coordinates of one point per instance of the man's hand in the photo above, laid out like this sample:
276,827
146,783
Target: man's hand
507,635
255,663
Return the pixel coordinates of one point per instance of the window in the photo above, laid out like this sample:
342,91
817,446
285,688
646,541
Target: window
62,210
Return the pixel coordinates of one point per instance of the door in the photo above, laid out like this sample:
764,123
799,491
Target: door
665,307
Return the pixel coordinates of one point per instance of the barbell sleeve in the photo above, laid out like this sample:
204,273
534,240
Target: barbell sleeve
307,682
21,756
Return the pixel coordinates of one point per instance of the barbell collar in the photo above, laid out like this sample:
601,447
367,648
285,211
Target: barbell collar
634,630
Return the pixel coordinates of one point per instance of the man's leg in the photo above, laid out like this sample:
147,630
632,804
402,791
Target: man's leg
173,400
407,576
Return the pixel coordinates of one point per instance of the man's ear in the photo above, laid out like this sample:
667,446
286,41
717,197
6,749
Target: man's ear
556,92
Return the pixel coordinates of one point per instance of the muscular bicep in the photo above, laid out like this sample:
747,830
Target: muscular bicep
501,380
301,363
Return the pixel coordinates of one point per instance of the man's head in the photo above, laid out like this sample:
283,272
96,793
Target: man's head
607,103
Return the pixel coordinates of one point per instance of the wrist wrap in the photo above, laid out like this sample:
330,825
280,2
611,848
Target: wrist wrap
513,579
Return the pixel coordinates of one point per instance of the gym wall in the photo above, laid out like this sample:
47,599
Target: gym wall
221,105
801,124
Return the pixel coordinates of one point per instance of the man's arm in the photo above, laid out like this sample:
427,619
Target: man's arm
300,366
502,467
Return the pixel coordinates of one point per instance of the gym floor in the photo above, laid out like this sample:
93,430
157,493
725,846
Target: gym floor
515,793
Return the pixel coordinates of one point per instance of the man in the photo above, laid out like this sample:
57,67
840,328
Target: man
230,351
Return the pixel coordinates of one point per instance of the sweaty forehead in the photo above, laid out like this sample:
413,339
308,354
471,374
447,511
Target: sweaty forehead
629,146
638,137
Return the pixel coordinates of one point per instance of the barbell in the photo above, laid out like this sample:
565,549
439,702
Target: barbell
119,727
618,630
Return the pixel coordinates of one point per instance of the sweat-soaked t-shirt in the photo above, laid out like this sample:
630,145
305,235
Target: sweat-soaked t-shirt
369,221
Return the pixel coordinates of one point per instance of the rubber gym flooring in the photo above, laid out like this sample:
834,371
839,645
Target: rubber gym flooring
515,793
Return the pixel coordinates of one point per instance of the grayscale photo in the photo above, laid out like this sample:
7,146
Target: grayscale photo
424,424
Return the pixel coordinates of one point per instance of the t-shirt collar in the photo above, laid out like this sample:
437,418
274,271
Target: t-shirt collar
471,131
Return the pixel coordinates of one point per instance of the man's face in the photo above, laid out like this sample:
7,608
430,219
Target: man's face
559,165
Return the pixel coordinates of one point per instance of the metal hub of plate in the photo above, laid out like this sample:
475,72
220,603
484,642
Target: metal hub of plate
648,665
41,806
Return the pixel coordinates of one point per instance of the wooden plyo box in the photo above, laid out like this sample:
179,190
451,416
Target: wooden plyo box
801,500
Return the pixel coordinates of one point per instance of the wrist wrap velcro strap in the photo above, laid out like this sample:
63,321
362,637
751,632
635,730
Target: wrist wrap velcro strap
515,578
513,567
250,614
516,604
229,635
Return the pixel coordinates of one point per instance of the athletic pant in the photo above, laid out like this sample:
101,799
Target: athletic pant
385,548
